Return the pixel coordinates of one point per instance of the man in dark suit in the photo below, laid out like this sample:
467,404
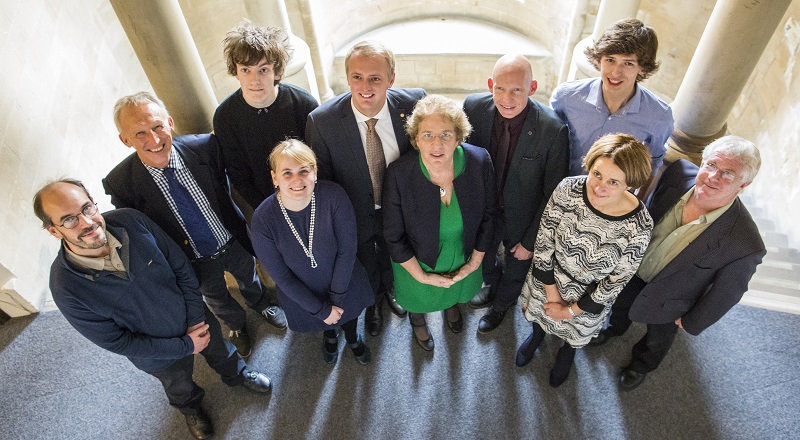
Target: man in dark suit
355,136
180,184
704,249
529,146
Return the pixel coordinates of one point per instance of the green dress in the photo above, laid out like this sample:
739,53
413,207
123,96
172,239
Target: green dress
423,298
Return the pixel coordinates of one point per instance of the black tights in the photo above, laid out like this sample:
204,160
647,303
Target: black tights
350,329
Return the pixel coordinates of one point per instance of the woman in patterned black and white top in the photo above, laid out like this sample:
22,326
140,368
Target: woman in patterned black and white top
592,236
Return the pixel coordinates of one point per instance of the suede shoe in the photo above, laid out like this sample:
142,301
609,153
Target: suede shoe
483,298
256,382
630,379
490,321
241,340
455,326
199,425
373,318
275,317
528,348
396,308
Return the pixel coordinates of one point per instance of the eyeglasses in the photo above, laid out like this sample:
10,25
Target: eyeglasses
726,175
72,221
445,136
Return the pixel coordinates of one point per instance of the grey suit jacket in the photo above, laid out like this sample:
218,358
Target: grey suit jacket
540,162
130,185
710,276
332,133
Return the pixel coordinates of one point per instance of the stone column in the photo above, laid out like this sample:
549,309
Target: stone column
609,12
160,37
299,71
321,70
734,39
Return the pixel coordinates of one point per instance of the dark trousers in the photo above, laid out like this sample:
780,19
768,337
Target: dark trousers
242,266
183,393
648,353
508,276
373,254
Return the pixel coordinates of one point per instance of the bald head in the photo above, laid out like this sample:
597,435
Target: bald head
513,62
511,84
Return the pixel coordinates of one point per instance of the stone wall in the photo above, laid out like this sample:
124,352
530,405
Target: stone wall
767,113
66,63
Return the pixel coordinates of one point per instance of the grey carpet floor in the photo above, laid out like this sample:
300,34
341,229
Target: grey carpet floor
738,380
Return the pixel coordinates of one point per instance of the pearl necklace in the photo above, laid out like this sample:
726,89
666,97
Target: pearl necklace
308,250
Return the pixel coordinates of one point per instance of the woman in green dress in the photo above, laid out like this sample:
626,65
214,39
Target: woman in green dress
438,210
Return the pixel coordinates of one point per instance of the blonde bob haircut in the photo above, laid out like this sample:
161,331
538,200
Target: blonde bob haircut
294,149
630,155
438,105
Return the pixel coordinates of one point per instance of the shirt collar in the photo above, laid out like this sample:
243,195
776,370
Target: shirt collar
94,263
384,113
595,98
175,161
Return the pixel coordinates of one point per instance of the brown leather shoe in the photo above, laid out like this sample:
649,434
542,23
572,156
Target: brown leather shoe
199,425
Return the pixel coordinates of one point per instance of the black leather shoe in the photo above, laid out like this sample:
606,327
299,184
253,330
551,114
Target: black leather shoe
483,298
490,321
330,349
199,425
359,346
373,318
241,340
630,379
396,308
455,326
256,382
275,317
602,337
426,344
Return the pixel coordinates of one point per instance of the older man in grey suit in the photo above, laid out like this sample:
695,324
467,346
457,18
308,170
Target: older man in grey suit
704,250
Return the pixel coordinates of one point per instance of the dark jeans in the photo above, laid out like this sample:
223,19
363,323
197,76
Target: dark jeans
242,266
373,254
221,355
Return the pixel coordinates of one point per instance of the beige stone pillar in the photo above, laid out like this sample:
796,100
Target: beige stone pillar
321,71
299,71
576,26
732,43
160,37
609,12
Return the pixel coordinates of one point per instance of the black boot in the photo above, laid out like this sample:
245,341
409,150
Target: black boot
560,371
528,348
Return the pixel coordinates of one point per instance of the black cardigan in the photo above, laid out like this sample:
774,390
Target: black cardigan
411,205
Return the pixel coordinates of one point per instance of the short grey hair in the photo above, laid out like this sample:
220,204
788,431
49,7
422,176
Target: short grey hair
739,149
134,100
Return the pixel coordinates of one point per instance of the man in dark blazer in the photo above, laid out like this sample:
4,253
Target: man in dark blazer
213,235
339,133
529,146
704,250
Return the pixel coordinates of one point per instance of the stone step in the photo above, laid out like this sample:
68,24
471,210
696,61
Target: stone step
776,239
774,285
764,224
779,269
782,254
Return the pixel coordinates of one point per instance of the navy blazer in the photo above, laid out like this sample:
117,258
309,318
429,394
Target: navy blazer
540,162
710,276
411,205
332,132
130,185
